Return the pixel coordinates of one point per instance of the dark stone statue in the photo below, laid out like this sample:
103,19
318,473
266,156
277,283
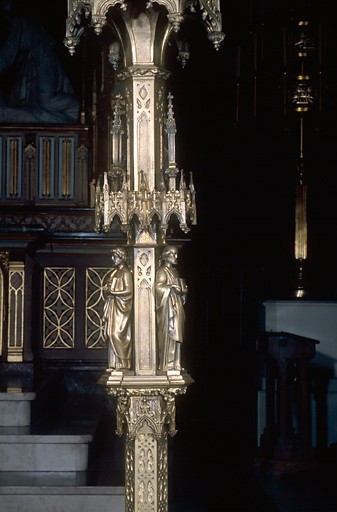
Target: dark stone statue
33,85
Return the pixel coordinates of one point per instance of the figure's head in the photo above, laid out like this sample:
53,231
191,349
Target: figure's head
120,253
170,254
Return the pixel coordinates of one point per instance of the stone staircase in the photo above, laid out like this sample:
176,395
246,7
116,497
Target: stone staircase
56,453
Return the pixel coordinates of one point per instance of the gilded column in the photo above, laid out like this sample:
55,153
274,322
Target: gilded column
142,196
145,327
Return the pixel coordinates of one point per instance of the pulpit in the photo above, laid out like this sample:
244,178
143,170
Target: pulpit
286,441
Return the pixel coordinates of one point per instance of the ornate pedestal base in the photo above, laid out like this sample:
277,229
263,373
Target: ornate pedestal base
146,414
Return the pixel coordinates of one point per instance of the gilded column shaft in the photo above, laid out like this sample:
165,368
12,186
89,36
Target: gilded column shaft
145,86
144,311
147,417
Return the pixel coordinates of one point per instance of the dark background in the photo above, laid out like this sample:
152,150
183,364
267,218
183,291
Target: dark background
242,251
244,161
245,166
244,158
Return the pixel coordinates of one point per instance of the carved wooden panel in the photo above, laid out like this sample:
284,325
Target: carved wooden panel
59,308
95,278
16,320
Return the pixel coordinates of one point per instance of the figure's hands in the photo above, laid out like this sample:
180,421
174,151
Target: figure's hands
176,289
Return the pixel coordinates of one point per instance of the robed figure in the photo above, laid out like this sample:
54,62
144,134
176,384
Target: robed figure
117,320
170,294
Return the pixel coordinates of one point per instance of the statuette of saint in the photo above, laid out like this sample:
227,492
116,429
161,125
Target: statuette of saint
170,297
117,313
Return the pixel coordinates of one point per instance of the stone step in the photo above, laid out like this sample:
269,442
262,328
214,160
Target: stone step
27,452
61,499
15,408
43,478
55,453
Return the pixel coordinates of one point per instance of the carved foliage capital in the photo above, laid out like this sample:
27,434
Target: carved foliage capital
155,407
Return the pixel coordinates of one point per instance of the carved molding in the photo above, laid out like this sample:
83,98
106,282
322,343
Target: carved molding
155,406
53,223
143,71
